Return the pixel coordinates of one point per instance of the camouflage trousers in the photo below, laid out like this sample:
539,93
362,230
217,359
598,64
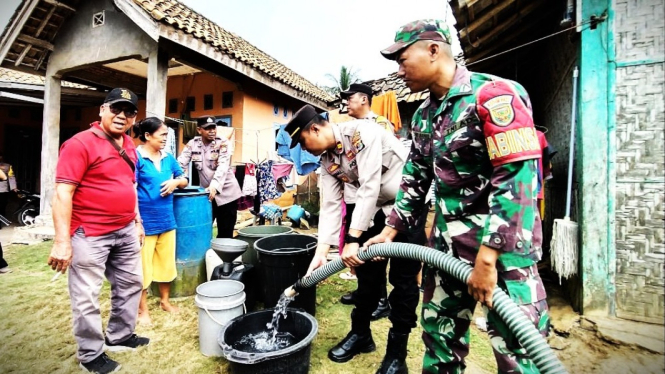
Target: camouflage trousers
446,315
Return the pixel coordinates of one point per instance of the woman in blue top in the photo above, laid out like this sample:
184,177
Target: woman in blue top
158,174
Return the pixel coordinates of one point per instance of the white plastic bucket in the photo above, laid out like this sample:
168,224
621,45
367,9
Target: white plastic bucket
219,301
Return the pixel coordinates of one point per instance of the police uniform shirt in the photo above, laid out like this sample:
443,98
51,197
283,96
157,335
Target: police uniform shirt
368,158
350,190
212,162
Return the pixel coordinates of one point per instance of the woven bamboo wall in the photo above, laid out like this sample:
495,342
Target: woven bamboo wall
640,155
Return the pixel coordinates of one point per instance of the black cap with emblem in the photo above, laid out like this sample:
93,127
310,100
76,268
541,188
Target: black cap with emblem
357,87
122,95
295,126
205,122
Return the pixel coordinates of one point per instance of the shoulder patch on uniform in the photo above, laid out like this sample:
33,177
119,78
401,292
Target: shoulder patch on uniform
501,110
357,142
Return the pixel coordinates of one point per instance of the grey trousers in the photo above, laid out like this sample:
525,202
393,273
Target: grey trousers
118,257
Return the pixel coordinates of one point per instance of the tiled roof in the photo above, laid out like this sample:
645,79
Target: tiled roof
181,17
14,76
393,83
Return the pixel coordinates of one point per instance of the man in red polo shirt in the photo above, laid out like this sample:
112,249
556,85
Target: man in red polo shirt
98,231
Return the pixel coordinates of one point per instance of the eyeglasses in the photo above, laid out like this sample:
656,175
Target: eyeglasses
129,111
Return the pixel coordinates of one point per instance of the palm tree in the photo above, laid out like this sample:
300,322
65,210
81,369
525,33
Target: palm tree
347,76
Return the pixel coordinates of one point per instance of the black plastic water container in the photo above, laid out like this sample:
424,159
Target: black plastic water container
283,259
293,359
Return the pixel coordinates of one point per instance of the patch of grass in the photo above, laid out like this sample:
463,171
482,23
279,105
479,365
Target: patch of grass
36,333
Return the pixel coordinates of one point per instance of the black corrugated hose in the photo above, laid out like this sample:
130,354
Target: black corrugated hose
528,336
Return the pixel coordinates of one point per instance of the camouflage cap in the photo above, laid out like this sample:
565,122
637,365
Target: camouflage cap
424,29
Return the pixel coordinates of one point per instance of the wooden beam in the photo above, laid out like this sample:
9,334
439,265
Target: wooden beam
60,5
44,22
14,96
27,48
14,29
20,58
484,18
502,27
41,60
510,39
108,78
34,41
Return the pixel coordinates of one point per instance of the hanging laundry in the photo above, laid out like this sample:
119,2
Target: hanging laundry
240,175
245,202
282,172
249,185
188,130
386,105
304,161
266,182
170,142
544,169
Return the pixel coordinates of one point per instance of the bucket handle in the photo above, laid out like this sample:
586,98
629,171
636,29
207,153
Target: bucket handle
244,309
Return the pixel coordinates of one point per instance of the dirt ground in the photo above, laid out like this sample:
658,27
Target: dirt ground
583,349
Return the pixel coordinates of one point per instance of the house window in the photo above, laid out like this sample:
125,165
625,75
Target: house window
98,19
173,106
191,104
224,121
207,102
227,99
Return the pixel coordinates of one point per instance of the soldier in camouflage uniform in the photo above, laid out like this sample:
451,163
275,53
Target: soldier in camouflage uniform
475,138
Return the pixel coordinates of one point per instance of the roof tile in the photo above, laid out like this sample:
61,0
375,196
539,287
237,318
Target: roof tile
394,83
15,76
178,15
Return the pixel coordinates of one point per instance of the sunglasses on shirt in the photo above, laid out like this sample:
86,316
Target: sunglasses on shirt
129,111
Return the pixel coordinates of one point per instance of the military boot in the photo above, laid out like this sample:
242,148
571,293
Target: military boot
382,310
394,362
352,345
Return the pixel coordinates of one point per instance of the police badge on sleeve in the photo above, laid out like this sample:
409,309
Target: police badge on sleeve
501,110
357,142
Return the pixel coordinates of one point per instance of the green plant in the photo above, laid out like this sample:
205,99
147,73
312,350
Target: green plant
312,205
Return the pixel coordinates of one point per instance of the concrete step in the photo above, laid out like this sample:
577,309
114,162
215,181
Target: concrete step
32,234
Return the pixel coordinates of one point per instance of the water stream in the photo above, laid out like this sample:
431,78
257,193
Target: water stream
271,339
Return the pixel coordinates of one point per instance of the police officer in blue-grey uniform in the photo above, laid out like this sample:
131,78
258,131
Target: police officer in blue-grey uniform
211,156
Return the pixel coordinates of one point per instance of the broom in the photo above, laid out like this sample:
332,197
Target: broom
563,247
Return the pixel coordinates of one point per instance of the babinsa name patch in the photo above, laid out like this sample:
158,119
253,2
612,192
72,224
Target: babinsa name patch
512,142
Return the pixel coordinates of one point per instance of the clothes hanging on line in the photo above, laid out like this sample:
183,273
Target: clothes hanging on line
304,161
189,130
267,187
249,187
386,105
170,142
544,169
282,174
245,202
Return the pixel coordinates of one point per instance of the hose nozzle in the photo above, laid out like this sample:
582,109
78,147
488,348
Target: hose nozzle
291,291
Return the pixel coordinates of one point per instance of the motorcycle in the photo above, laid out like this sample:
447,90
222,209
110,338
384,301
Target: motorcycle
28,207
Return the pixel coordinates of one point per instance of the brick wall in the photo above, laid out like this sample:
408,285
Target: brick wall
640,155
